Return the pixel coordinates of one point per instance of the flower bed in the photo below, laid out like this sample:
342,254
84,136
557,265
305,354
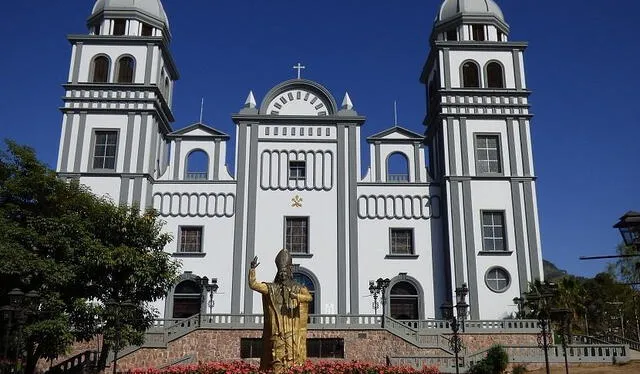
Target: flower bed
329,367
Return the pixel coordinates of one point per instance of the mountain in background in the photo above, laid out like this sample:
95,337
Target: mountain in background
553,274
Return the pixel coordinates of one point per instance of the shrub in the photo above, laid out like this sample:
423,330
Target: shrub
519,369
495,362
329,367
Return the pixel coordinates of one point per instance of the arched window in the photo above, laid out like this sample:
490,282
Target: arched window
495,77
470,75
197,166
306,281
404,301
397,168
187,299
100,69
125,70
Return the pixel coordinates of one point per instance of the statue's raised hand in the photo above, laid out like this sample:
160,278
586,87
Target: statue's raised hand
255,263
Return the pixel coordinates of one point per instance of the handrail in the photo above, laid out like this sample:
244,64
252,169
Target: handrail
83,359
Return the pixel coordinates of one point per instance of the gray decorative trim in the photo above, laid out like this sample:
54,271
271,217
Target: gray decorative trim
320,159
148,199
402,206
149,61
394,184
512,147
237,283
227,182
341,222
189,254
400,257
510,279
486,46
153,150
302,84
378,171
519,231
128,144
416,163
446,68
495,253
75,75
464,148
532,235
216,159
408,135
451,147
176,161
206,204
301,140
251,213
168,303
456,223
517,69
137,191
403,277
64,154
472,269
142,144
353,220
524,147
82,126
124,190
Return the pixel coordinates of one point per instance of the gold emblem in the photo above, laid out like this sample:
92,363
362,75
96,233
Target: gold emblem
296,202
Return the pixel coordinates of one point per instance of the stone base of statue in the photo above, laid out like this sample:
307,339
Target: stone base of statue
286,308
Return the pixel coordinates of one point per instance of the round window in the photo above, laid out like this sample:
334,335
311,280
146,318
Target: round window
497,279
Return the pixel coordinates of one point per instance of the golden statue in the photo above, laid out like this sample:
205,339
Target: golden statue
286,309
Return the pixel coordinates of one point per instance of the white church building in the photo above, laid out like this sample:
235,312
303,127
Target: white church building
449,203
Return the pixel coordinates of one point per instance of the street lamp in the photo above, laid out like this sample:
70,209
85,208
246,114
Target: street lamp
564,317
379,287
629,226
20,306
455,343
538,301
210,288
519,302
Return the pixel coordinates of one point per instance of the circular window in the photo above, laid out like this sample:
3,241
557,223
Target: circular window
497,279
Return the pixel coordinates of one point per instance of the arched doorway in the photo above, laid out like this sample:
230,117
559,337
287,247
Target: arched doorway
187,299
404,301
306,281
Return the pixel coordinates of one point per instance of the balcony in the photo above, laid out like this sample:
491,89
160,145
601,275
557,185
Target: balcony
196,176
398,178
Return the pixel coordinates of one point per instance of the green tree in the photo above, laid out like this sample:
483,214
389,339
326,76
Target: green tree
495,362
86,257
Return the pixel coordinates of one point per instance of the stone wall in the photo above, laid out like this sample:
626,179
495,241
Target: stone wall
362,345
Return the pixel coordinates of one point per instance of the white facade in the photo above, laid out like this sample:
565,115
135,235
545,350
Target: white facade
468,215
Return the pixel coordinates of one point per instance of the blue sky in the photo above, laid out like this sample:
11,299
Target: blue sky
581,65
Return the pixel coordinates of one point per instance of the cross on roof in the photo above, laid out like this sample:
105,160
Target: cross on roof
299,67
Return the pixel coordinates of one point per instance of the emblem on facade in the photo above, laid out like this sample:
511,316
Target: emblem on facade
296,202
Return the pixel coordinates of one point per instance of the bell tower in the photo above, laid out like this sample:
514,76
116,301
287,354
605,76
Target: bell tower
478,133
117,102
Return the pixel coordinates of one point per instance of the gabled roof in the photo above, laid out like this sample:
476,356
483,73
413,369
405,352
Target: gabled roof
199,130
396,134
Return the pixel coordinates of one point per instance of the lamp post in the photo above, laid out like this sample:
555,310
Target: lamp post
519,302
563,316
455,343
379,287
20,306
210,288
538,301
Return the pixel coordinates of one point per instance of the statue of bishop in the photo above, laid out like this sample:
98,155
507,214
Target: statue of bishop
286,308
